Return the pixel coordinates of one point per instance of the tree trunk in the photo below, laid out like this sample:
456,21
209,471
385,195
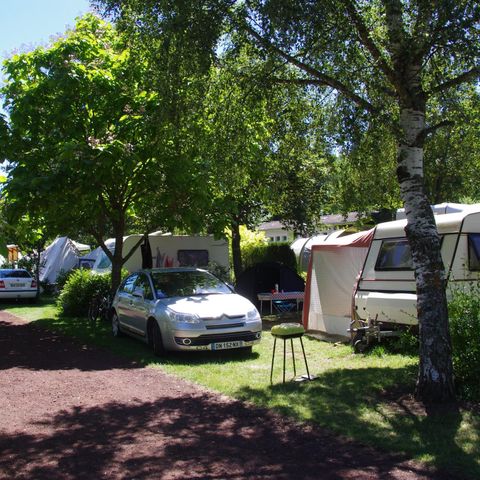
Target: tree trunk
435,375
37,266
117,262
236,251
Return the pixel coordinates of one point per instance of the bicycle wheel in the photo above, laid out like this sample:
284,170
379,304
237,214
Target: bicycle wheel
105,310
93,310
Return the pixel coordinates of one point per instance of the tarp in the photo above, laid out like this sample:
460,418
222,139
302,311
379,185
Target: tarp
61,255
265,277
334,268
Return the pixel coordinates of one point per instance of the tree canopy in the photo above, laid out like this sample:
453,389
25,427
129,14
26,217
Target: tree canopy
384,59
86,154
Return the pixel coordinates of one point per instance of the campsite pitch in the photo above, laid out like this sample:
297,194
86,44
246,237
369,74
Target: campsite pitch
75,412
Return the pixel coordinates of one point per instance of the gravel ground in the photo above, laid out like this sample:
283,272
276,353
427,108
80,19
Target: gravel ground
70,411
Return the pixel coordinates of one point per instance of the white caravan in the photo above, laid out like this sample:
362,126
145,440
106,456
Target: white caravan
169,251
369,277
386,288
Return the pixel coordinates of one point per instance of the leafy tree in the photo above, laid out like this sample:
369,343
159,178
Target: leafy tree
452,156
372,59
81,136
237,133
302,162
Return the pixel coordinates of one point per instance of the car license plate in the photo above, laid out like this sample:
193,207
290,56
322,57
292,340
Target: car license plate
227,345
16,285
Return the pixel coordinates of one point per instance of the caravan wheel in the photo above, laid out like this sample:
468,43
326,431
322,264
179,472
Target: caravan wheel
359,342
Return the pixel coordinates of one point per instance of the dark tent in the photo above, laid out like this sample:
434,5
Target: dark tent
263,277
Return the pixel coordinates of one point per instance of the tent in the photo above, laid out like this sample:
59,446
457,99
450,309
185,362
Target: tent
61,255
263,277
333,271
302,247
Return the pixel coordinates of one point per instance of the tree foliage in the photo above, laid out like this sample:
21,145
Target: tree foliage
86,147
385,60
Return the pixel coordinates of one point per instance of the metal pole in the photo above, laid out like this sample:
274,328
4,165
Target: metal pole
293,357
305,357
273,358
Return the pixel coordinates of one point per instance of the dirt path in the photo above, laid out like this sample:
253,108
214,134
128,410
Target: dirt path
69,411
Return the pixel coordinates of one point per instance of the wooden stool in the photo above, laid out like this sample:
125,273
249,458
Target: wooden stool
287,331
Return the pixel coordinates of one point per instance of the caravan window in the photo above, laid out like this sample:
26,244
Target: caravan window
193,258
394,255
474,251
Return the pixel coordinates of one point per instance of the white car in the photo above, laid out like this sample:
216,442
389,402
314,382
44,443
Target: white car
184,309
17,283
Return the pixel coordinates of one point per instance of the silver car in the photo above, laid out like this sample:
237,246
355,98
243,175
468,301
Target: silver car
184,309
17,283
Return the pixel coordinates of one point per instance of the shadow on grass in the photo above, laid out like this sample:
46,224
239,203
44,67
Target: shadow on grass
32,345
373,405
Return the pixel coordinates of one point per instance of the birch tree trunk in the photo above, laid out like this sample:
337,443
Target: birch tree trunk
435,375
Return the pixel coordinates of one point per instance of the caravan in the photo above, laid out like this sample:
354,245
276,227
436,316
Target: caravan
168,251
369,276
386,290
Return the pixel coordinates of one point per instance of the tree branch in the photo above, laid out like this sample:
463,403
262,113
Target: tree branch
421,137
367,42
472,74
319,77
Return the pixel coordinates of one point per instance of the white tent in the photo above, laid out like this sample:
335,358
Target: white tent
61,255
333,271
302,247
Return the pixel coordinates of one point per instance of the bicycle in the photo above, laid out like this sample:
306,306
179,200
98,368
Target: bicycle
99,308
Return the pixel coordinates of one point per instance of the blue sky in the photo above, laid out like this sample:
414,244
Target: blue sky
27,24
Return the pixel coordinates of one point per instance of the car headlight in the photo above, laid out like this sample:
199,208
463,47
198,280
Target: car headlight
253,315
177,317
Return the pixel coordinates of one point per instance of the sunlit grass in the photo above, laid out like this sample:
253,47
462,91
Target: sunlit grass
361,396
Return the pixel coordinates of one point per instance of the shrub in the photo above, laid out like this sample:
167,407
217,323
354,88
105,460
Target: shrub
80,287
62,278
464,314
271,252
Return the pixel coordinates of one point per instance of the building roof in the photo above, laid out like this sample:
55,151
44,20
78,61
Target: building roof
273,225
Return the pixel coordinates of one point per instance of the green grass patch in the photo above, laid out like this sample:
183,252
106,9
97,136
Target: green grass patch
360,396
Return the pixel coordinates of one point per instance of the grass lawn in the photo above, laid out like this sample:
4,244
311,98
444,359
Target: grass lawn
364,397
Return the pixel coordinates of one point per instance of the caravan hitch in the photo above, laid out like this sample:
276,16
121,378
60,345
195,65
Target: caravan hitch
363,333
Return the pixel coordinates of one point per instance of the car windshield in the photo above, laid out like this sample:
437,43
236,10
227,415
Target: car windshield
186,284
14,274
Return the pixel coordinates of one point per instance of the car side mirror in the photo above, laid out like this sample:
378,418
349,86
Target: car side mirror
138,292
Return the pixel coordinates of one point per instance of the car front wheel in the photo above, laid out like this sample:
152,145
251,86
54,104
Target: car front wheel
157,342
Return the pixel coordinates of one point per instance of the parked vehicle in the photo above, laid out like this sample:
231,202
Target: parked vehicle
184,309
386,290
17,283
166,251
376,266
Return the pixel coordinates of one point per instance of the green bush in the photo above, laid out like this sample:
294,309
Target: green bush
464,315
80,287
62,278
271,252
